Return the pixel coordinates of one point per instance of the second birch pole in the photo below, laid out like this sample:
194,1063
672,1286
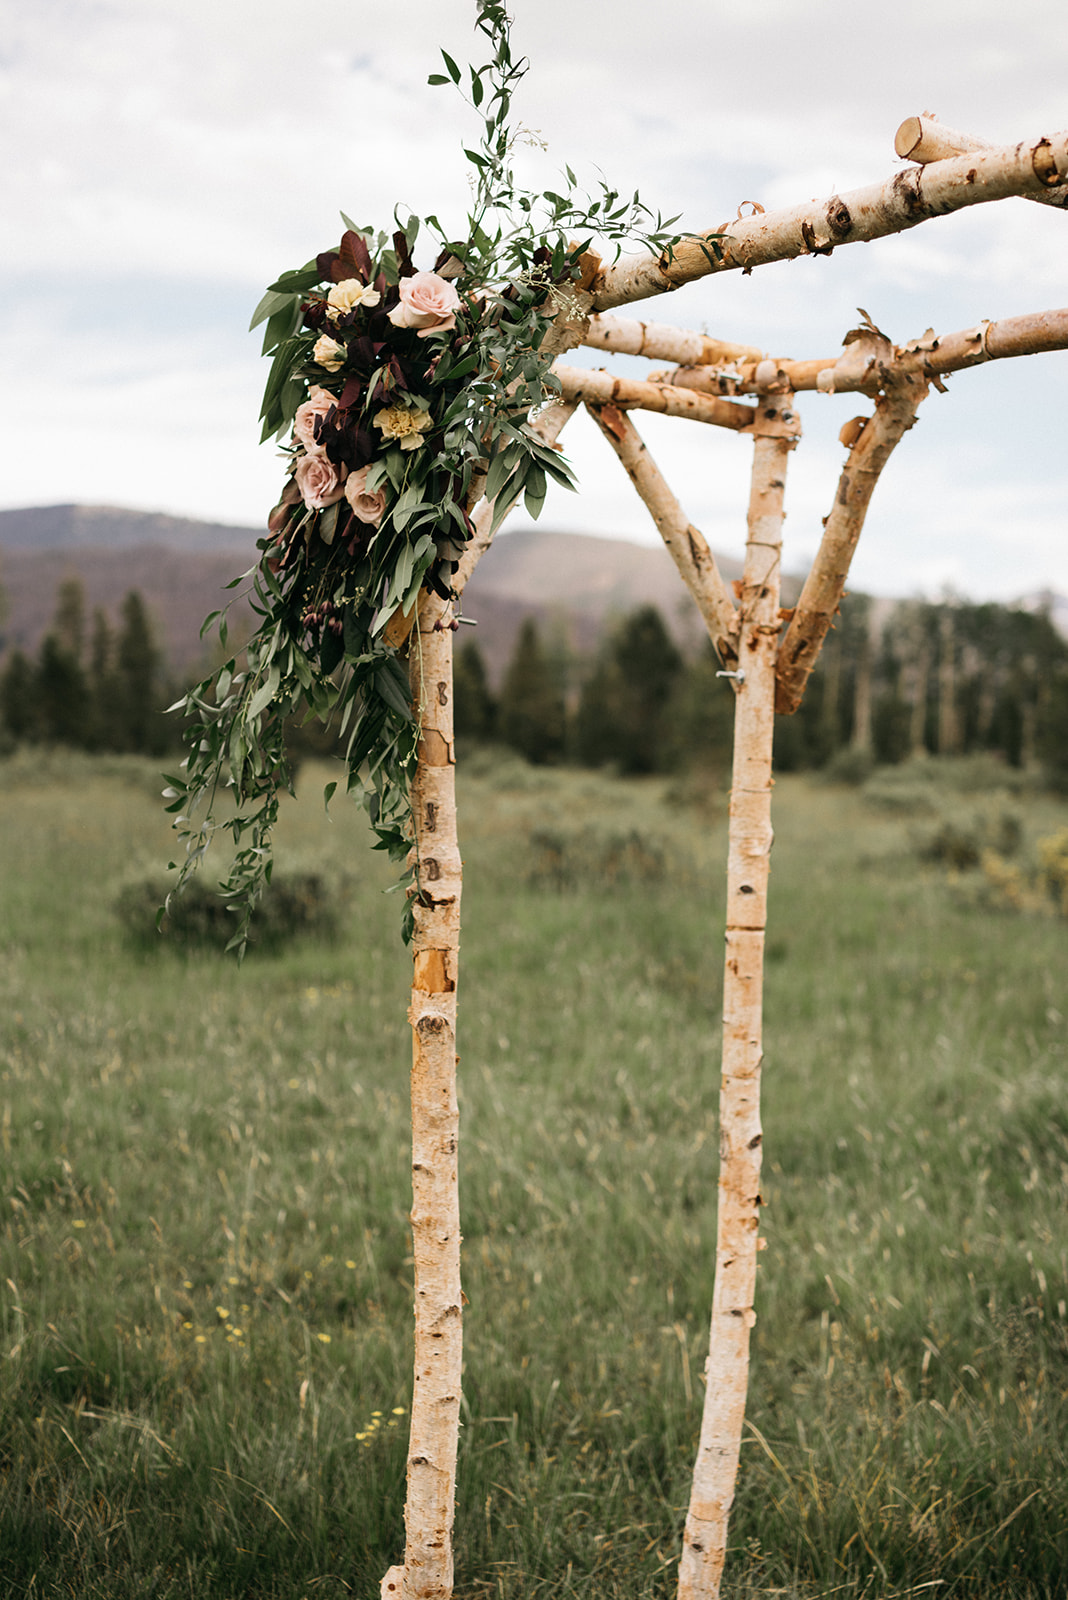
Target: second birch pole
427,1572
738,1216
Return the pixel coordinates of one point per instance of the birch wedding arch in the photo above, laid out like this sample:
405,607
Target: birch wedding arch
418,405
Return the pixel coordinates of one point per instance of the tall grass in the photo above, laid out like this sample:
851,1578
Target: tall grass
206,1325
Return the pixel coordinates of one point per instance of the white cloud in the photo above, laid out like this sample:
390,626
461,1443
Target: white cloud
173,155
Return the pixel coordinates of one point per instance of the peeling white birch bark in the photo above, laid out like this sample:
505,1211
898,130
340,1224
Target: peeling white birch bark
661,342
435,1418
940,354
603,388
924,139
687,547
427,1572
872,444
738,1217
817,227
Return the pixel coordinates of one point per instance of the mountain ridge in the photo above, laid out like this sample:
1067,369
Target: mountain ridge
573,584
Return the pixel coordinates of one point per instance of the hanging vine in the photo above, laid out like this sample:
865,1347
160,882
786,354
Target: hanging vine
402,395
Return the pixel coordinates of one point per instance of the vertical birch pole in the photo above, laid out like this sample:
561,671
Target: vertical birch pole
428,1512
738,1220
427,1571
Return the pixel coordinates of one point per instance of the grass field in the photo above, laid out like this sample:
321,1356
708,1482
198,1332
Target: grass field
205,1328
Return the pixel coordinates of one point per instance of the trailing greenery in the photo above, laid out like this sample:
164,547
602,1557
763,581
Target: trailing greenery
410,393
205,1290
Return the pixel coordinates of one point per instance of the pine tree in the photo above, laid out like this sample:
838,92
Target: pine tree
104,712
138,682
61,694
474,709
531,712
68,624
623,711
18,698
699,730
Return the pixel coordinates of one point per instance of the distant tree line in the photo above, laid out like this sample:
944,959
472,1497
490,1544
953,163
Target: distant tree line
91,686
935,679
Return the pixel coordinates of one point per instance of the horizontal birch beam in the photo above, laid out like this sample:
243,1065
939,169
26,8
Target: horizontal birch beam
820,226
939,354
924,139
600,388
661,342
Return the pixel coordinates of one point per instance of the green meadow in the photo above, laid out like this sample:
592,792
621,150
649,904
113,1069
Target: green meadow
205,1321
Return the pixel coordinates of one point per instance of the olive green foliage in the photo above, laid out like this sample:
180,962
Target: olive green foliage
206,1319
451,395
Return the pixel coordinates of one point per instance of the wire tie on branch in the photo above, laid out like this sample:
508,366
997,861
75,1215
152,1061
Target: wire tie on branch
738,676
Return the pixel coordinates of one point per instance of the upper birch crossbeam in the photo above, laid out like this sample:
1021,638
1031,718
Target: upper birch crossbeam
924,139
817,227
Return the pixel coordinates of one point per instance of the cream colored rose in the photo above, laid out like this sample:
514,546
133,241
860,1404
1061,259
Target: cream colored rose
328,353
319,481
367,505
317,405
404,425
349,294
427,302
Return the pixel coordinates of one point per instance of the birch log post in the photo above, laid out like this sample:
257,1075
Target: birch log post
435,1417
427,1571
738,1217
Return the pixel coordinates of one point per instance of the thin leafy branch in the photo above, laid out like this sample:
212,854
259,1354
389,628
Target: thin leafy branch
399,395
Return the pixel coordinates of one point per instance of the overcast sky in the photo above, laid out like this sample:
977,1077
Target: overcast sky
165,159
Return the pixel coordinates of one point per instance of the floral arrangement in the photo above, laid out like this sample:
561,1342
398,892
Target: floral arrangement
402,396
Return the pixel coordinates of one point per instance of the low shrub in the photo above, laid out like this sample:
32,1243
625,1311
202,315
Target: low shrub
298,905
849,766
960,840
561,858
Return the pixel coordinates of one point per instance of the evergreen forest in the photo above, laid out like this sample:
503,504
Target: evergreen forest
894,682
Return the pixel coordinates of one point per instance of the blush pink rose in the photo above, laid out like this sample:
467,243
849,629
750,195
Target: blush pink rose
319,481
367,505
317,405
427,302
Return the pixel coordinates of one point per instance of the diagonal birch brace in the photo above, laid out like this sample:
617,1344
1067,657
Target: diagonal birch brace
686,545
738,1214
821,595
